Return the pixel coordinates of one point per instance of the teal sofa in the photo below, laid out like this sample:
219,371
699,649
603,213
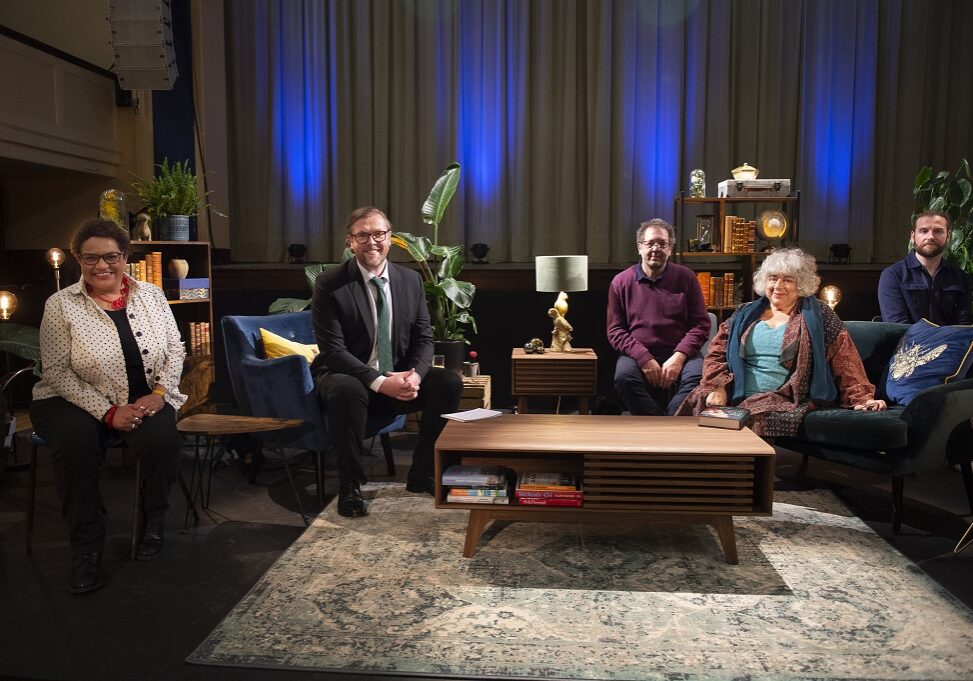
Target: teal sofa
933,431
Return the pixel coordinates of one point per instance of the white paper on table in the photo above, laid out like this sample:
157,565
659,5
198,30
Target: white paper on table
477,414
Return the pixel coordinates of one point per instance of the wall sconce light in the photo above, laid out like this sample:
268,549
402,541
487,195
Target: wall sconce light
55,256
8,303
831,295
560,274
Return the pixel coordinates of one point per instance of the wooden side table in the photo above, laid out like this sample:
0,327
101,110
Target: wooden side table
554,374
213,426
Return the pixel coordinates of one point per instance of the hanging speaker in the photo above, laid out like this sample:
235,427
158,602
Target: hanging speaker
141,38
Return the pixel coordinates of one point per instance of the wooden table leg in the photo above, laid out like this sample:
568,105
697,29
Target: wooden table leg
583,406
724,530
478,522
521,405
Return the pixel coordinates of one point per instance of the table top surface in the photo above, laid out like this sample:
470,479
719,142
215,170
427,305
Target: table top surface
575,354
225,424
599,434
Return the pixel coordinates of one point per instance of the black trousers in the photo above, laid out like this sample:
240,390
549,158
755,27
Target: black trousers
347,404
73,435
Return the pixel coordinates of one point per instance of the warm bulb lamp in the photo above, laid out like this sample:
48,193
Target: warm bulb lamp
55,256
8,303
831,295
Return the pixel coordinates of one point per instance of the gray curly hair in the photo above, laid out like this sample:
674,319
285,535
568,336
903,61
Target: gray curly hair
789,262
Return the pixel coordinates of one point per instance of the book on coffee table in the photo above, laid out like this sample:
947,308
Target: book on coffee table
733,418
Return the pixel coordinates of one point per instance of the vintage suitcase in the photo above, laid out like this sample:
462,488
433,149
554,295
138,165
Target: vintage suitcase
755,188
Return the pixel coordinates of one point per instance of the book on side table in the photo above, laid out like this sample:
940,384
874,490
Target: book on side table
733,418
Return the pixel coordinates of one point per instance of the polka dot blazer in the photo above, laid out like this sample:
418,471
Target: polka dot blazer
81,353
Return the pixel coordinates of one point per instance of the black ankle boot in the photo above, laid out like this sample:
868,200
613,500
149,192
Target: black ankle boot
86,572
153,540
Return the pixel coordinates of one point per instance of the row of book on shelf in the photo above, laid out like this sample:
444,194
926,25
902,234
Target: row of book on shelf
735,235
473,484
718,291
197,338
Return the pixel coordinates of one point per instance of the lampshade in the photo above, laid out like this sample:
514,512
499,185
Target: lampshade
8,303
556,273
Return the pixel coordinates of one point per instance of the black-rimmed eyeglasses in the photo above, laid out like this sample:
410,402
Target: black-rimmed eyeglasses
363,237
109,258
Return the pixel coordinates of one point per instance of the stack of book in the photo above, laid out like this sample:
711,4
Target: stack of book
477,484
148,269
548,489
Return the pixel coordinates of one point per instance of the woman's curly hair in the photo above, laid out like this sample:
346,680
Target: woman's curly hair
789,262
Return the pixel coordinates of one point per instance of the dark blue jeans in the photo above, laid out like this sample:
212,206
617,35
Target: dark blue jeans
644,400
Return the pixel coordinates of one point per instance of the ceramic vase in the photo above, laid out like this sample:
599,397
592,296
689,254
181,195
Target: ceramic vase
178,268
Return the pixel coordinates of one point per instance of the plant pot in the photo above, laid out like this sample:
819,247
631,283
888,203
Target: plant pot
174,228
454,352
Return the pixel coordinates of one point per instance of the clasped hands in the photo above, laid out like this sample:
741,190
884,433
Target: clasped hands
400,385
664,375
130,416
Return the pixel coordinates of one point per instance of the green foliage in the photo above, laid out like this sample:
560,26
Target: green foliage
172,192
311,273
448,298
951,194
23,341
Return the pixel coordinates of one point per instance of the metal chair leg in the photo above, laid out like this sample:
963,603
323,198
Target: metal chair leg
31,497
290,479
389,460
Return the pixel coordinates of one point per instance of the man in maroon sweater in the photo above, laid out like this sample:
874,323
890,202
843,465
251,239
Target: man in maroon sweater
657,321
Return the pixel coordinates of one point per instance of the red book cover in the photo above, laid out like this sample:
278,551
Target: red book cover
547,494
536,501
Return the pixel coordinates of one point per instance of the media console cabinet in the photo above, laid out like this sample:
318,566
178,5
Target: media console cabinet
666,469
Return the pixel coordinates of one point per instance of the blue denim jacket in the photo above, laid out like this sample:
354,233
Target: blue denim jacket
906,293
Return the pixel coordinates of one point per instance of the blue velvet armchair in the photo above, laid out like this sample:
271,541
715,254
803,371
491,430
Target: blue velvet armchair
283,387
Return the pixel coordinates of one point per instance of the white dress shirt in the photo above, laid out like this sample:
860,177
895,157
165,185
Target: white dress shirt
367,277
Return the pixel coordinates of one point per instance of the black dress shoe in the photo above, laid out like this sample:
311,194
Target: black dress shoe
421,486
152,542
350,502
86,572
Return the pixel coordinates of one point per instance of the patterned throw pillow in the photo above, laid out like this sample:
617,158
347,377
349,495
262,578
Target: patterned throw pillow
929,355
278,346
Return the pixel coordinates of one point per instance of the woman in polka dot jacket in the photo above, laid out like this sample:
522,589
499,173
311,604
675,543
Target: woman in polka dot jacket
112,358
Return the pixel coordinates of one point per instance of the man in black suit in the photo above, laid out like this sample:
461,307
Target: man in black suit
361,371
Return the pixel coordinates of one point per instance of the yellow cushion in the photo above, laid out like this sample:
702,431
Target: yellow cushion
278,346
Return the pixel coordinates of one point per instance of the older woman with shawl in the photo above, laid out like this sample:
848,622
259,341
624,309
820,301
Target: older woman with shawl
784,354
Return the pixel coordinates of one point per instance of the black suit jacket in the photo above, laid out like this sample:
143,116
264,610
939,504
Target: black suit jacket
341,312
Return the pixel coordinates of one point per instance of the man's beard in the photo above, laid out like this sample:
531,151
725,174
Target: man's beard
655,265
930,250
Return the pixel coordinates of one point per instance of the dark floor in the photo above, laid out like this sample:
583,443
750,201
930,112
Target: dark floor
150,615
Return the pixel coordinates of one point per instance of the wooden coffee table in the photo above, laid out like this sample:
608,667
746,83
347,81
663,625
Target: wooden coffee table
662,468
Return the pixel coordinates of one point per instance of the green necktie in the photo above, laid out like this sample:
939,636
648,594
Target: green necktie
382,332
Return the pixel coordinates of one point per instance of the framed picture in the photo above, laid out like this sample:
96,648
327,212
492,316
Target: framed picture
704,232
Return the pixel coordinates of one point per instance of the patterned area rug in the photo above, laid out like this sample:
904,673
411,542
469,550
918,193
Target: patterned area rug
817,595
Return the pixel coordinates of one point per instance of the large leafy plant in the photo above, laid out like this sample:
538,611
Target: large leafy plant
448,298
952,194
311,273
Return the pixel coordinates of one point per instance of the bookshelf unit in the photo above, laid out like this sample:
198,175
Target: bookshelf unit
740,264
198,374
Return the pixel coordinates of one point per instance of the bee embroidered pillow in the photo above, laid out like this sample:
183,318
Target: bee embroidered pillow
929,355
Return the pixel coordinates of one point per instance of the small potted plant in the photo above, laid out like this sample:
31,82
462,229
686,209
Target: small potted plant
170,199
